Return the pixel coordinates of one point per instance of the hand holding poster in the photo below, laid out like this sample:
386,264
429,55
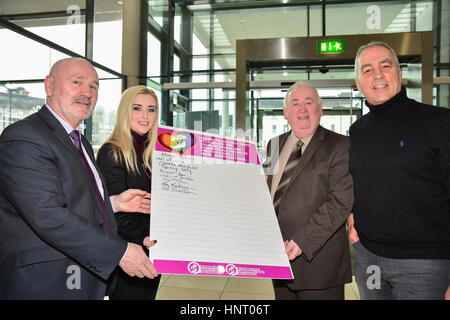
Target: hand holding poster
211,209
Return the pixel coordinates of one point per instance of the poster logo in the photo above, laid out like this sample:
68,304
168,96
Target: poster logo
231,269
193,267
179,142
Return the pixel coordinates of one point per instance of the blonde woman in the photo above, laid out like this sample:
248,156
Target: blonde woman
125,161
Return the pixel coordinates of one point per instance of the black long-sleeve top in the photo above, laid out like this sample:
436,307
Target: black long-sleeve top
400,163
133,227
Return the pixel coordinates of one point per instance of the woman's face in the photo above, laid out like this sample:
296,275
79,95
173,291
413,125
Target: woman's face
143,113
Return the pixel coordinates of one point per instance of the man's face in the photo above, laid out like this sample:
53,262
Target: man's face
72,90
303,111
379,78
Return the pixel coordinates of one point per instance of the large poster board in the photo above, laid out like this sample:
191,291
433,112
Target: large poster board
211,210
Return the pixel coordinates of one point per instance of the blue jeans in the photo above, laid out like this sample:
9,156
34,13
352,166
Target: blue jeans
380,278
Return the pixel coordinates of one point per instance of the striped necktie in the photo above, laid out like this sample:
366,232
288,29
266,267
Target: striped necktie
289,169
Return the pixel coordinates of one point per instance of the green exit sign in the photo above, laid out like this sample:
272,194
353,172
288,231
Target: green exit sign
331,46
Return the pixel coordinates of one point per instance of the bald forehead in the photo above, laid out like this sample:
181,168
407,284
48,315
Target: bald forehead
66,64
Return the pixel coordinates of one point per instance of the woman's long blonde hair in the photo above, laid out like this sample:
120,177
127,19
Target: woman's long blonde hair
121,137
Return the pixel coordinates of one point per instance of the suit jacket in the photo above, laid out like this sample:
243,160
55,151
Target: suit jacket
52,241
314,208
133,227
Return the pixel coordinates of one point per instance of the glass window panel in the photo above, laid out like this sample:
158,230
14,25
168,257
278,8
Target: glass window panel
15,7
104,115
177,28
198,46
226,61
199,105
200,63
19,100
201,35
108,34
200,78
315,21
231,25
272,94
377,17
156,9
332,74
176,63
15,61
231,94
67,29
199,94
176,67
444,94
338,123
269,123
218,94
155,87
226,116
424,16
153,57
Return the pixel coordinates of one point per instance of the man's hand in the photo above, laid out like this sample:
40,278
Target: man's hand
447,293
136,263
292,249
133,200
352,234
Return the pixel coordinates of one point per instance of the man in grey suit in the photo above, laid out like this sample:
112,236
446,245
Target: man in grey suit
312,189
57,229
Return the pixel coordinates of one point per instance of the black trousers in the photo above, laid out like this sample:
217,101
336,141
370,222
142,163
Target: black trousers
282,292
134,288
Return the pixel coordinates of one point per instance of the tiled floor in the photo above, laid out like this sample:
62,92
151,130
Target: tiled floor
174,287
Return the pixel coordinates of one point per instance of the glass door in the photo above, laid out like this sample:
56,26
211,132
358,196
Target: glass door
341,107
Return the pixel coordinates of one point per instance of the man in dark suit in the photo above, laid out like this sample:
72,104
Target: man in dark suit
57,229
312,190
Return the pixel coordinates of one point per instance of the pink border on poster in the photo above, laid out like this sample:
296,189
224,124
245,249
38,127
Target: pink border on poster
210,146
221,269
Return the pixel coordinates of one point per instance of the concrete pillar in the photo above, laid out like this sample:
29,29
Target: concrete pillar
131,32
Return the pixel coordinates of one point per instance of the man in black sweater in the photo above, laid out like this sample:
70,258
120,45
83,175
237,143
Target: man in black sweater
400,163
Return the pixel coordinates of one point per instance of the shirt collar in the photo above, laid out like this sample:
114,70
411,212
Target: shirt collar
292,139
63,122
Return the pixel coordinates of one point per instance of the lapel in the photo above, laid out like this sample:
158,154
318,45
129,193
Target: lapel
61,134
306,157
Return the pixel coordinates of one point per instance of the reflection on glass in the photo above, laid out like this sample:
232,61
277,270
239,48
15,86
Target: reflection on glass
103,117
19,100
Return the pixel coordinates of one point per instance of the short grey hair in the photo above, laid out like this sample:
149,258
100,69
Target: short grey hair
300,84
371,45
